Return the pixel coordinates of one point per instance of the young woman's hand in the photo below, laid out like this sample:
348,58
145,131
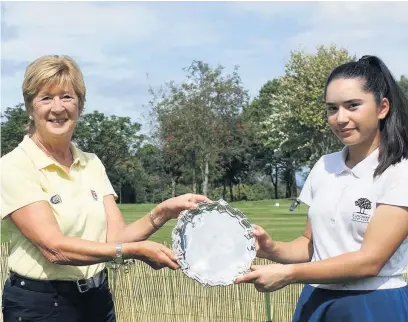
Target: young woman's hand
267,278
263,242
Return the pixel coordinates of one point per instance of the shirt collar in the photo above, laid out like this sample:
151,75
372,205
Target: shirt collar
79,156
364,168
42,160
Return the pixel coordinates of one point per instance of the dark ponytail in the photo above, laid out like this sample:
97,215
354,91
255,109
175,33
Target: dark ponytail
394,127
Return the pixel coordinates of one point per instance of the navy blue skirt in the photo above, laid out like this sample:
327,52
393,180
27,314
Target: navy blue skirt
321,305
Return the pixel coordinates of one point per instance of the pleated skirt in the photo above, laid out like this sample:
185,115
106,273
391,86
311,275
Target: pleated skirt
322,305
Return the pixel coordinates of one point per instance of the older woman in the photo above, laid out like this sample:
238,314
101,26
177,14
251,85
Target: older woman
59,207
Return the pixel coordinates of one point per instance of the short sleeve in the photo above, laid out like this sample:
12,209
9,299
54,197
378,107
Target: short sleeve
393,185
20,186
107,186
306,195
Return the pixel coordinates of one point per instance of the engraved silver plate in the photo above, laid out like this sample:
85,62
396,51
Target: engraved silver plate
214,244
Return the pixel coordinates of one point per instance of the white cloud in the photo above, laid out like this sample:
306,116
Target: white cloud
117,43
268,10
378,28
80,29
86,29
112,41
360,13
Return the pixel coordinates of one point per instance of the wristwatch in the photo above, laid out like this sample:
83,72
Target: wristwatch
118,259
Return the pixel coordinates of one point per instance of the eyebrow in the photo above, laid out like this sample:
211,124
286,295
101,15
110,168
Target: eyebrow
346,102
49,93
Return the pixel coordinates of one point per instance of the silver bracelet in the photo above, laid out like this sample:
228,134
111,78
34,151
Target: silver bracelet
156,227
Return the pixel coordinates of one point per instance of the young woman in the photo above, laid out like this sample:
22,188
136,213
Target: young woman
354,250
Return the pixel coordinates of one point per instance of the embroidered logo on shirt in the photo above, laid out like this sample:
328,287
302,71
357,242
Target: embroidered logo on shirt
55,199
364,204
94,195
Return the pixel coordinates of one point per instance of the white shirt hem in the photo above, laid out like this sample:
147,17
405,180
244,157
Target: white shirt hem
367,284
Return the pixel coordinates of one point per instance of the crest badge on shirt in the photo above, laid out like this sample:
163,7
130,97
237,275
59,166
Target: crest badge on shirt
363,204
55,199
94,195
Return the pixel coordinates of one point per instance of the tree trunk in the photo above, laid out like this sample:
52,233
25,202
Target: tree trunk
291,189
173,187
202,167
239,190
120,192
231,192
224,190
206,173
276,181
288,179
194,181
287,191
193,165
294,187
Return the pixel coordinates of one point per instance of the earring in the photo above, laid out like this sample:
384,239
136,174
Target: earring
30,117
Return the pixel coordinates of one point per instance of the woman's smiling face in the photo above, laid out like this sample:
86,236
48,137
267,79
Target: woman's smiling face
55,111
352,113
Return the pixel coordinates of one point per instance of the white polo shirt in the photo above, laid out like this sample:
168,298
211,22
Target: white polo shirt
342,202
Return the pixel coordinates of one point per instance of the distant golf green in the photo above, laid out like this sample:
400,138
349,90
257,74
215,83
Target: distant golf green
279,222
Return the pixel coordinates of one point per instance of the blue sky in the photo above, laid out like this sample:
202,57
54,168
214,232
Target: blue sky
118,43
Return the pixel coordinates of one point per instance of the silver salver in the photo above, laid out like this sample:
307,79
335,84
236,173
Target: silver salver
214,244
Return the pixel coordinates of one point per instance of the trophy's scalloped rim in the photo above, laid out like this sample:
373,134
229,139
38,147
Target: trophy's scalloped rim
233,212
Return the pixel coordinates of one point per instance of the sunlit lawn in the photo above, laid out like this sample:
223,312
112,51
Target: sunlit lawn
279,222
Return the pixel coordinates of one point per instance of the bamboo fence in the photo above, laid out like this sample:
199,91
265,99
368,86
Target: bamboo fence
146,295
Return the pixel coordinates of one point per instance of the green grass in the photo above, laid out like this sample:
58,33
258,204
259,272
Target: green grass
279,222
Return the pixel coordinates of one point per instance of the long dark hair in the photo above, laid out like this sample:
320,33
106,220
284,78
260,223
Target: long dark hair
394,127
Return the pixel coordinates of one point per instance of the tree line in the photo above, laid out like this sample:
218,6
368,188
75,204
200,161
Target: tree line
209,137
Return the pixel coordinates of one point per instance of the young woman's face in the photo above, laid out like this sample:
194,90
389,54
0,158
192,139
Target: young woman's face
353,114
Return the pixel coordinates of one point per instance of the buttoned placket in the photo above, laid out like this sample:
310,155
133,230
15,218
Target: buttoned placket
73,177
346,179
71,180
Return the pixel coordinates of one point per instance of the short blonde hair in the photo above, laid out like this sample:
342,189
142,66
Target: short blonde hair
50,71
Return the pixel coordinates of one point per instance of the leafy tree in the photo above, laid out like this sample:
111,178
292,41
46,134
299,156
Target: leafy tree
297,126
133,181
169,121
13,129
265,159
113,139
216,102
261,107
194,118
153,164
235,157
404,84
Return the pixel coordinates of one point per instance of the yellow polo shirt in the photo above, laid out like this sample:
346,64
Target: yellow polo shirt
28,175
